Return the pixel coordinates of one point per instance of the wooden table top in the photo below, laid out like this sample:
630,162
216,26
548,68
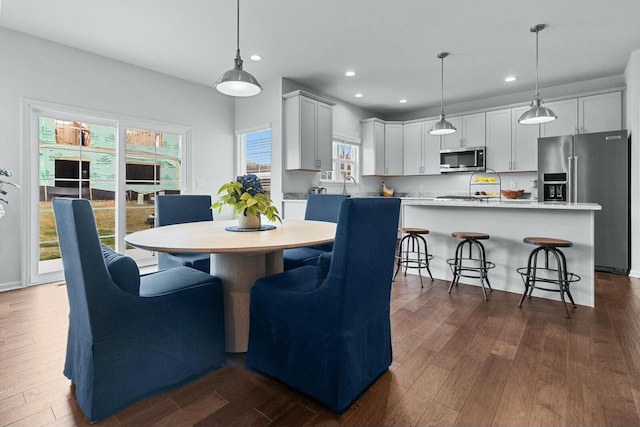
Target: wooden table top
211,237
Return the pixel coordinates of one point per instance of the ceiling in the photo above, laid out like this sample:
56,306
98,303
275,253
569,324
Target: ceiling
391,45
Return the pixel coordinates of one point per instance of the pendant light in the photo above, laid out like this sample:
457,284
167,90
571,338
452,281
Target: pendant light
442,127
237,82
537,113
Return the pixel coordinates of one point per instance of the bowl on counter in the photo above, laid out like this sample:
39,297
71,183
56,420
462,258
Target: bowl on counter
512,194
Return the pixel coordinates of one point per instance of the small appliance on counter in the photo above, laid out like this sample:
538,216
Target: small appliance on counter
592,168
318,190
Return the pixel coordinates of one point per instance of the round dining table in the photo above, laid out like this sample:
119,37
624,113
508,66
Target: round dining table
238,258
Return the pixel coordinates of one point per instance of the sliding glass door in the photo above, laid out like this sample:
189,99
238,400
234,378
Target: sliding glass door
120,166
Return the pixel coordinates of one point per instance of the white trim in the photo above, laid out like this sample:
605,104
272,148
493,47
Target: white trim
253,129
8,286
634,273
346,138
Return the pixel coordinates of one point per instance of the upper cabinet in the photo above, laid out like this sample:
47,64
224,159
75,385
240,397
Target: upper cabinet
511,147
567,121
421,149
600,113
470,132
587,114
308,131
498,144
382,151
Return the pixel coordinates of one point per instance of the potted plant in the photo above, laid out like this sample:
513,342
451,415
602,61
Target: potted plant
249,201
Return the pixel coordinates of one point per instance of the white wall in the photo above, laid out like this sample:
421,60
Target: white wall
346,121
632,77
38,69
261,110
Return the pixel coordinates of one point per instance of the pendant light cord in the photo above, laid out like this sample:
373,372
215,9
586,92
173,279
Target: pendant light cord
441,85
537,31
238,27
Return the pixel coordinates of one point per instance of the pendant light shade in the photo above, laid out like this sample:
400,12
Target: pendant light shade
442,126
237,82
537,113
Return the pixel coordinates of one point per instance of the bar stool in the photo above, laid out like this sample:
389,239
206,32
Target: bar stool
474,265
413,252
533,274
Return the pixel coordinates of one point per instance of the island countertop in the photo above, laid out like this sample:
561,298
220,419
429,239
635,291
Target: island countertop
497,203
508,223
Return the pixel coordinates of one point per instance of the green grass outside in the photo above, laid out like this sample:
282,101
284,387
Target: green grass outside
105,213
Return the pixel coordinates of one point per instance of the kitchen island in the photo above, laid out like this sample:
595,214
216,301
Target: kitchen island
508,222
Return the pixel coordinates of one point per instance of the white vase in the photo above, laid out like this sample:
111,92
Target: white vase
248,221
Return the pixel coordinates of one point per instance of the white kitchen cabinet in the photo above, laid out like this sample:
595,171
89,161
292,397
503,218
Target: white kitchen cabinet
498,144
600,113
470,132
421,149
393,149
587,114
453,140
567,121
308,132
524,143
510,146
381,147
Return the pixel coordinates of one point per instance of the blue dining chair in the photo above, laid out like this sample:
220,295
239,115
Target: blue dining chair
320,207
129,336
326,330
180,209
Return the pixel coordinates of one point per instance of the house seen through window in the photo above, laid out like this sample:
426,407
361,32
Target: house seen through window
344,161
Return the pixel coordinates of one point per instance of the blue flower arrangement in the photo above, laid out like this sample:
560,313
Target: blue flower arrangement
247,197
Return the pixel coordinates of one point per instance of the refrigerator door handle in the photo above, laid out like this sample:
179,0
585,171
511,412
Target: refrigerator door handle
575,180
570,180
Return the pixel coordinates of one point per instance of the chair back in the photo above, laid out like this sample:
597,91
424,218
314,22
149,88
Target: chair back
182,208
90,289
324,207
363,258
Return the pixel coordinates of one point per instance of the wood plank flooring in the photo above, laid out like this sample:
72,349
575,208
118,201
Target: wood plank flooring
458,360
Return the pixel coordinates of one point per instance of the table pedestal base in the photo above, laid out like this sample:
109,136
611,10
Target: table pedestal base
238,273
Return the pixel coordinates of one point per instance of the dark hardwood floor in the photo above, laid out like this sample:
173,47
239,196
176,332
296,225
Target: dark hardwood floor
458,360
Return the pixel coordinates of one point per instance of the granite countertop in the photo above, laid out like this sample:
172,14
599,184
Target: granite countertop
497,203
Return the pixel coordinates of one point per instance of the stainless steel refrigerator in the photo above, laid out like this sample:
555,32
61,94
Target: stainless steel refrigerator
592,168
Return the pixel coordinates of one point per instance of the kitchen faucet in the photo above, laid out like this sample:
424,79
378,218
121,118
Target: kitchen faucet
344,183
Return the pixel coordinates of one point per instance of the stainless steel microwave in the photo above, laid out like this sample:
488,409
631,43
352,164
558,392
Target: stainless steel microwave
468,159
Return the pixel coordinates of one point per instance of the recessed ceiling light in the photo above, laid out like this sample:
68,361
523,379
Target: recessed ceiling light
255,57
511,78
350,73
358,95
403,101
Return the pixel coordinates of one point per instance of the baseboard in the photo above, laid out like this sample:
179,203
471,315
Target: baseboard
9,286
634,273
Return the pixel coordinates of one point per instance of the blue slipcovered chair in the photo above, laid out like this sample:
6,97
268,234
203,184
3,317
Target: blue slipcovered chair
180,209
326,330
131,337
320,207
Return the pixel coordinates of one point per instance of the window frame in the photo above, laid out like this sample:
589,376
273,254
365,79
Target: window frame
344,140
241,152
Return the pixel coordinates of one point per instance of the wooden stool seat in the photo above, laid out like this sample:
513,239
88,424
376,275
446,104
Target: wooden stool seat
413,230
548,241
469,235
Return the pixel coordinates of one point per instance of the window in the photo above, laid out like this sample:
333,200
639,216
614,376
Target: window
254,154
345,160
